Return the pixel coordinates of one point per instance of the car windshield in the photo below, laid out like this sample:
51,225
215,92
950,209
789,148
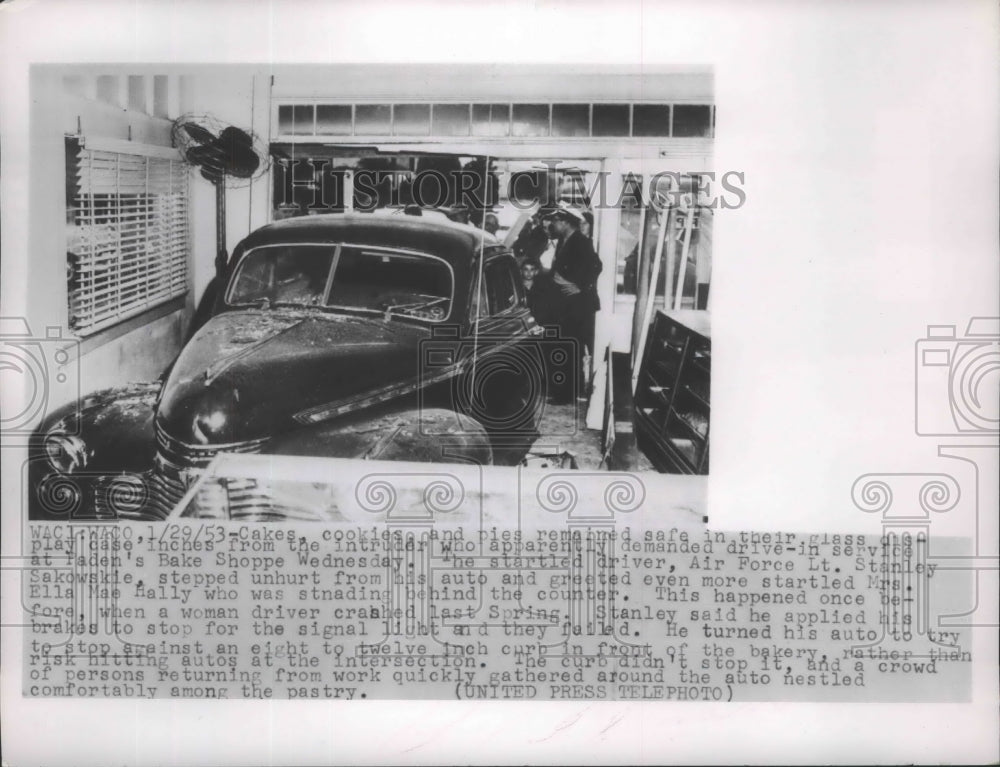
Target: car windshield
357,278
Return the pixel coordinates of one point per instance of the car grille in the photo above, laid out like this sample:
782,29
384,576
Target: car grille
186,456
132,497
247,500
178,465
167,485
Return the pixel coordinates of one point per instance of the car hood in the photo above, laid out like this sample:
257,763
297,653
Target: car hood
246,375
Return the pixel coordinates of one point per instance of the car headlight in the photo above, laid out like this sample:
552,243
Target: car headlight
66,452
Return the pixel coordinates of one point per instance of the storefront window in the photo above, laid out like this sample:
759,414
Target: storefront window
654,221
411,119
531,120
491,120
692,121
296,119
450,120
538,120
570,120
611,120
651,120
629,236
686,255
372,119
334,119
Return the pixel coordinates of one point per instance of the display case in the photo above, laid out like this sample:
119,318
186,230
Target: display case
672,396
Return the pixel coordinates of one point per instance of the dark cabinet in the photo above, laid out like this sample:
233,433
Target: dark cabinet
672,393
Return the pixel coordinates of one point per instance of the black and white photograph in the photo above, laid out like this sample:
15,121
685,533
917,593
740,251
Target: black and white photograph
514,268
360,403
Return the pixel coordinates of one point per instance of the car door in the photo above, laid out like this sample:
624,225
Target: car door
505,376
499,314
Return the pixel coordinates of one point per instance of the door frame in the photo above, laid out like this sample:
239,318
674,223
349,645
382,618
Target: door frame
614,323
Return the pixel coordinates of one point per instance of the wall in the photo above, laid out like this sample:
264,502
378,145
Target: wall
141,355
94,103
133,104
492,81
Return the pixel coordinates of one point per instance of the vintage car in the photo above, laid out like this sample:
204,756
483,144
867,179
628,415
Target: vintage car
341,335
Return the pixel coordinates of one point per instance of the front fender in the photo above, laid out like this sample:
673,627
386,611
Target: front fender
426,435
116,425
116,428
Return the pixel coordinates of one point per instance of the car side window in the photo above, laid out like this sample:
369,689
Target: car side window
501,291
515,275
481,309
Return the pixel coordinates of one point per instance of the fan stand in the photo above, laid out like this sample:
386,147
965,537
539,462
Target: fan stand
221,252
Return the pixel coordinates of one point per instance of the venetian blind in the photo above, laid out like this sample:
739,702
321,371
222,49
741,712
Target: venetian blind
127,242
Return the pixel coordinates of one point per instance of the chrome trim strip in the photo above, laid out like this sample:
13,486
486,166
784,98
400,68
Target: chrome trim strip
328,410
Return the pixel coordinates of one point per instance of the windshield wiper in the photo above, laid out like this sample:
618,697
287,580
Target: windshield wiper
410,309
295,305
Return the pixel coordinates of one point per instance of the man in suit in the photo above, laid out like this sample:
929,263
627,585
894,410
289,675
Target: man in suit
575,268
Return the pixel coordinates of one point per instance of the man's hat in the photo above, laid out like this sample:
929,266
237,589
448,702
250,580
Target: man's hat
565,210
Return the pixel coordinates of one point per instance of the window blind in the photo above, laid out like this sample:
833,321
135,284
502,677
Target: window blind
127,239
